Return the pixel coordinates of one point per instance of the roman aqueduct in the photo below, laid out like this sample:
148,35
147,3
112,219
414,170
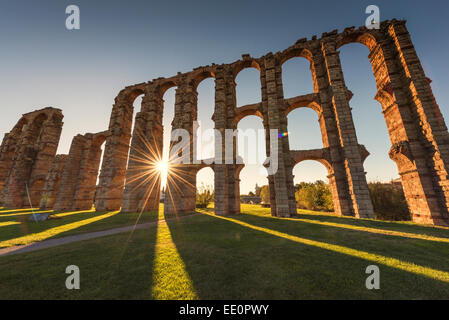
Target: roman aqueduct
418,134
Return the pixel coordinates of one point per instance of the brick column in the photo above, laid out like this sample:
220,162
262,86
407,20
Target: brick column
86,182
69,181
7,151
180,194
281,183
419,137
112,177
334,95
143,180
227,189
34,154
53,182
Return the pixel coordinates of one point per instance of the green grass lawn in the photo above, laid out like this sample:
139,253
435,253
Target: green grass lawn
249,256
17,229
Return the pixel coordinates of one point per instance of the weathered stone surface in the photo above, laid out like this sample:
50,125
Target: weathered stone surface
53,182
418,134
32,144
79,178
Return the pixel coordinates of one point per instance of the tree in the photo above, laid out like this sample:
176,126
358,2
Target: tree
265,194
204,196
314,196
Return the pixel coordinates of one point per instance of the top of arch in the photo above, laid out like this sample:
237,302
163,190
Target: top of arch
302,48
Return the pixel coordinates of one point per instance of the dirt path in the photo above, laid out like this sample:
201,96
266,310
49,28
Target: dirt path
79,237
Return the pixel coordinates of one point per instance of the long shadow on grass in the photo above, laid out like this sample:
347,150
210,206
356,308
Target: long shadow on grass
72,224
427,253
113,267
229,261
385,225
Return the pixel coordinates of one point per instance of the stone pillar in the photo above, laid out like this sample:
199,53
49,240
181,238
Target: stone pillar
53,182
7,151
143,179
34,154
112,177
69,181
281,184
46,152
227,189
334,94
180,194
337,178
420,143
86,182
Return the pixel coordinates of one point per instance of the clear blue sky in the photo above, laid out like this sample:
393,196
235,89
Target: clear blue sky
126,42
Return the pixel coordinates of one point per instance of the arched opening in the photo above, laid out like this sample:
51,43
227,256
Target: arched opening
251,148
96,160
304,132
296,77
248,87
205,188
205,146
167,119
368,119
312,188
381,171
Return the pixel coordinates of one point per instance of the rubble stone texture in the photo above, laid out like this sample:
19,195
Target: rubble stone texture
418,134
28,152
79,178
53,182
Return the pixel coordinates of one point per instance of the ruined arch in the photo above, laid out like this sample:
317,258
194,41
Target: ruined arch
36,138
401,84
112,177
416,127
78,182
238,68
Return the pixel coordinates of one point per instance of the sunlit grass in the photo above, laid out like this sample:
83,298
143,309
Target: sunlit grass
205,257
388,261
65,214
21,213
35,237
374,230
170,278
17,210
8,223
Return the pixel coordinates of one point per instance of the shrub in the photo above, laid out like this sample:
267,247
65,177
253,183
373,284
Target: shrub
265,194
204,196
314,196
389,202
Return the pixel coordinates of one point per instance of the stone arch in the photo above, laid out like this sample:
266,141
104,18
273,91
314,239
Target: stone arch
320,155
246,63
248,110
86,188
8,148
199,75
323,157
300,52
399,76
112,176
36,139
362,35
238,67
204,116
